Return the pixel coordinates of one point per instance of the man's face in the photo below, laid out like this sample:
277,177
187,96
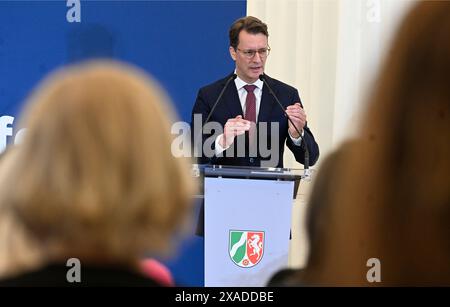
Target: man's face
249,68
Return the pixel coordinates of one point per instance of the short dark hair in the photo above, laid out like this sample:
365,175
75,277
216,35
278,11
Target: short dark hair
250,24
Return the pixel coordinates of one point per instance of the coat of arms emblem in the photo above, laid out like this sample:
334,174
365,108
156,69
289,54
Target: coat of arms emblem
246,248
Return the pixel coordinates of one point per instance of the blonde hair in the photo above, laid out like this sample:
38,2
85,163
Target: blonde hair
94,173
18,252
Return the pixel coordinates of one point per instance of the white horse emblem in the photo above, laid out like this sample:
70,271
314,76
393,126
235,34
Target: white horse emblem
255,245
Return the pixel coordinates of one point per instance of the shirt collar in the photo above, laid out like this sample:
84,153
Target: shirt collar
241,83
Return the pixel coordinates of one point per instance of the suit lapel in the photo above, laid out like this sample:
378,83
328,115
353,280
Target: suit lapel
267,103
232,101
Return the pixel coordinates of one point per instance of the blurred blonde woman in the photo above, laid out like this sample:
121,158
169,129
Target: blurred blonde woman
17,251
94,178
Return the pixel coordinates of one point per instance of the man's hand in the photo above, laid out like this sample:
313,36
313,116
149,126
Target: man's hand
233,127
298,117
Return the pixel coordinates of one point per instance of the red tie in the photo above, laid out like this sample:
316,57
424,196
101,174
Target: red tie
250,103
250,115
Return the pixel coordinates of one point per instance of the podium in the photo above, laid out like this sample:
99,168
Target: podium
247,222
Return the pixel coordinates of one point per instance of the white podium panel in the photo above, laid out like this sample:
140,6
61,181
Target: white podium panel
247,229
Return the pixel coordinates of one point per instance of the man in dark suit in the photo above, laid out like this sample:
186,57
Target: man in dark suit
253,128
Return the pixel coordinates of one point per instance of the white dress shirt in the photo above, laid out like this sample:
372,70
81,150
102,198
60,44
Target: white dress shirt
242,93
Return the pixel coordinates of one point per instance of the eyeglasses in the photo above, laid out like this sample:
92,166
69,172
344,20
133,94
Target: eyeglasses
249,54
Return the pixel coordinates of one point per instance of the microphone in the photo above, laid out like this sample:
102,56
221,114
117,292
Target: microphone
262,77
233,76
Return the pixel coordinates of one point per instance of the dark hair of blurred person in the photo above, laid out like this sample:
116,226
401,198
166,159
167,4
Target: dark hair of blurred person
391,198
317,221
94,177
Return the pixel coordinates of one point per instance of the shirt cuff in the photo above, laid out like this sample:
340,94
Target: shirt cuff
298,141
218,148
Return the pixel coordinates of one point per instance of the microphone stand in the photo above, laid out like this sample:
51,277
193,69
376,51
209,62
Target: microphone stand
234,76
306,173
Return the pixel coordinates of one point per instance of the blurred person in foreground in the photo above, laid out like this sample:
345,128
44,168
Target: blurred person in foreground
16,250
388,217
317,220
94,178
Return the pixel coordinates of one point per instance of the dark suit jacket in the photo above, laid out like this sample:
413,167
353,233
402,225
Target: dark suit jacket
270,112
54,275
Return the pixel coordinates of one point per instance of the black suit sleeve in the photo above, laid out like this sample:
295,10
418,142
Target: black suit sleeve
201,108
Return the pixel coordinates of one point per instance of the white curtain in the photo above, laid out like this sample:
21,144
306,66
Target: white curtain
330,50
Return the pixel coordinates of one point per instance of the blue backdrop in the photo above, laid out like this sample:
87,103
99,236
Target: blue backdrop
184,44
